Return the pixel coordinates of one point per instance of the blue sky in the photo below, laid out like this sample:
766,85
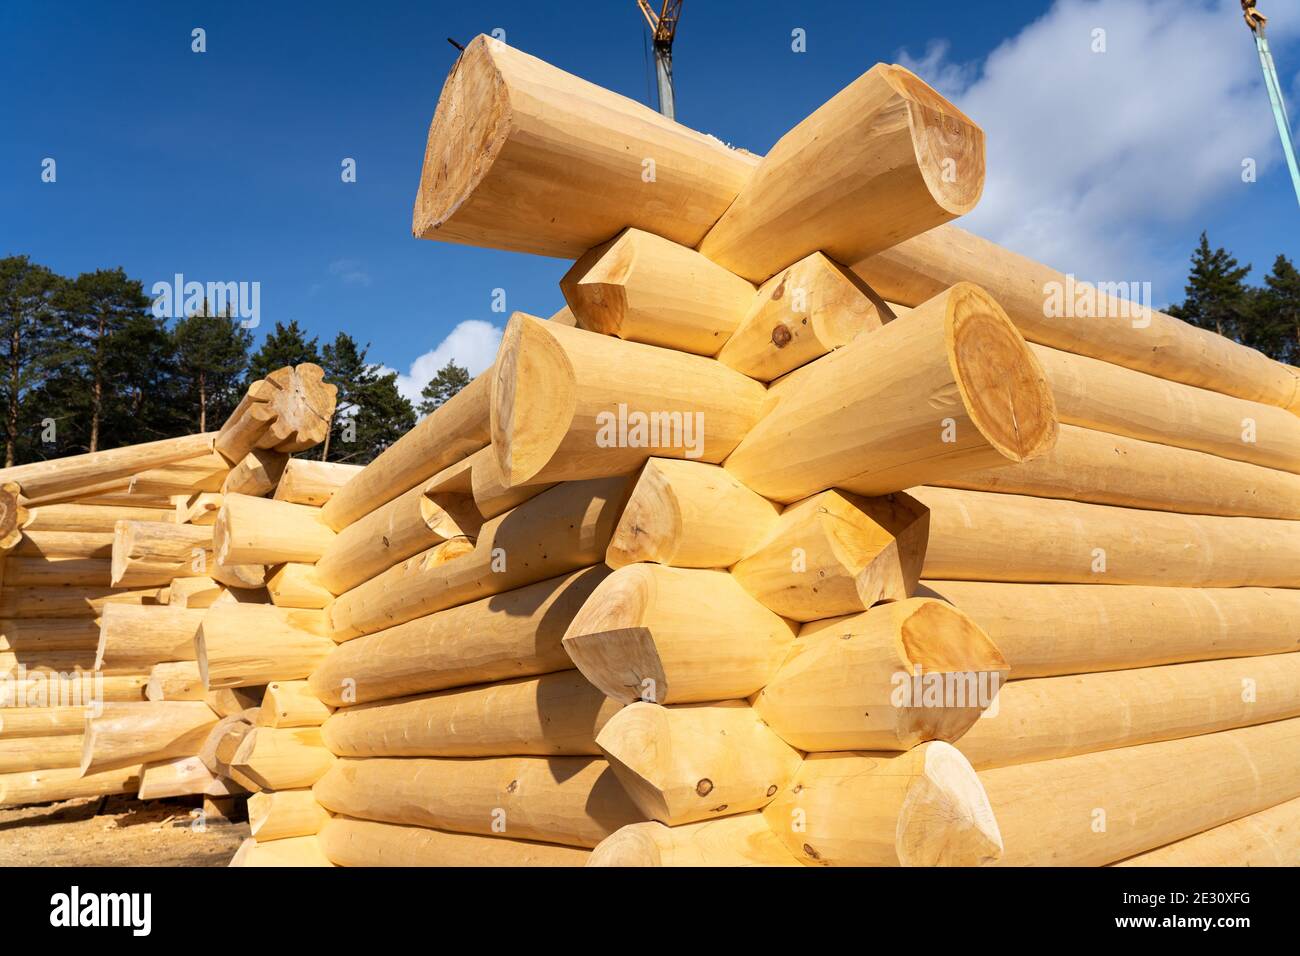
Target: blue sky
225,165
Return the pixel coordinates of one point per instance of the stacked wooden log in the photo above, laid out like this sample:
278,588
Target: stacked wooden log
861,554
113,565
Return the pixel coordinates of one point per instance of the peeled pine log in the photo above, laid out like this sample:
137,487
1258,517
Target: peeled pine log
52,661
239,645
180,777
688,514
698,761
67,783
44,479
25,754
741,840
837,553
143,635
888,679
514,634
175,680
1098,808
561,530
65,544
1109,329
456,429
79,690
403,527
283,814
1268,838
349,842
264,531
37,635
1093,466
800,314
1110,398
924,807
1053,717
230,701
289,410
291,851
152,552
13,516
66,601
127,734
200,508
644,288
509,125
884,159
1103,627
673,636
194,593
575,801
205,473
975,535
73,516
569,404
294,585
953,388
306,481
257,474
56,572
41,722
282,759
492,494
243,577
554,714
290,703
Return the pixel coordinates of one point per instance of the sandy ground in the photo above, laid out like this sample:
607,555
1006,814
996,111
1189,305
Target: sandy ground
116,831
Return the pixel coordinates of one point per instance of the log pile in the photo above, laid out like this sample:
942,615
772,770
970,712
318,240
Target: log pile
126,572
801,536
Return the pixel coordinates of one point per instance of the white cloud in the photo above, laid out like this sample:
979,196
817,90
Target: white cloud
1090,153
472,344
351,271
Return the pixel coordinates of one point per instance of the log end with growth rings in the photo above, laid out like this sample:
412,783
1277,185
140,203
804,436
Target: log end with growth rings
12,515
1001,383
946,819
533,396
608,644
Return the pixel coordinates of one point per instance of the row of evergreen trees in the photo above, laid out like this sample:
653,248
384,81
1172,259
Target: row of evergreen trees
85,365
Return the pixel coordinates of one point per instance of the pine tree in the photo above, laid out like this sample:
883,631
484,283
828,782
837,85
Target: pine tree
97,310
285,345
371,413
27,346
211,357
451,378
1217,296
1277,321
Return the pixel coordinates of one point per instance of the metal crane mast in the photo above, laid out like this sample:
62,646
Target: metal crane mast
663,27
1258,25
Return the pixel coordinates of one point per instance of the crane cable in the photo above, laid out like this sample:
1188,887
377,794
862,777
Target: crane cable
1257,23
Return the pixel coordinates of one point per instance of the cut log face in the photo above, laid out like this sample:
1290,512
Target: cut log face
514,634
256,474
644,288
295,585
575,801
291,703
303,406
688,514
925,807
674,636
1104,627
741,840
836,553
570,404
954,388
455,430
697,761
349,842
12,516
888,679
508,125
555,714
282,759
1039,301
800,314
884,159
284,814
